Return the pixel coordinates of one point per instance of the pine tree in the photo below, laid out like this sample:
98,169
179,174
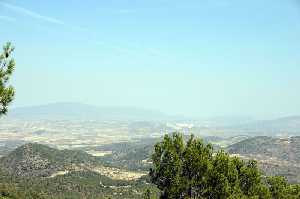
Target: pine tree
190,169
147,194
7,66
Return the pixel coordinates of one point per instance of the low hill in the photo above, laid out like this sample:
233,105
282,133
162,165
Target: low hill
276,156
287,149
39,160
38,171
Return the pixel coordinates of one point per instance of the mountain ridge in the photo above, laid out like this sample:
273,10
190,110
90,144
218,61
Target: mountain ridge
80,111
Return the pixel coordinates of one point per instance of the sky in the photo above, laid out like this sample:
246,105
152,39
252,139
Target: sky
199,58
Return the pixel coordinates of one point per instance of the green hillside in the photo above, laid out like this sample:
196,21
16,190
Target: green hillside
39,160
27,171
276,156
29,176
287,149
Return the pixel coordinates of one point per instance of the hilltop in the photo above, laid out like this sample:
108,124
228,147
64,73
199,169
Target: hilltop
40,160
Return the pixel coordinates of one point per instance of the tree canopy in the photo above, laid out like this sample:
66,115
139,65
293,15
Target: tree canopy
192,170
7,66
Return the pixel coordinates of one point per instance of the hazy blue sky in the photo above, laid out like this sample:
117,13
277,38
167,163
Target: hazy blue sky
195,57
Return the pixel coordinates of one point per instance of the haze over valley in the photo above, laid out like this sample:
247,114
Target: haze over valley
150,99
91,129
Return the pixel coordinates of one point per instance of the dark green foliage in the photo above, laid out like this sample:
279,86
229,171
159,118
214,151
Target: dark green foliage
280,189
74,185
191,170
9,191
147,194
7,66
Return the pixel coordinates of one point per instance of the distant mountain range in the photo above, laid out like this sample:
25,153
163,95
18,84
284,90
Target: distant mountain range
289,126
78,111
